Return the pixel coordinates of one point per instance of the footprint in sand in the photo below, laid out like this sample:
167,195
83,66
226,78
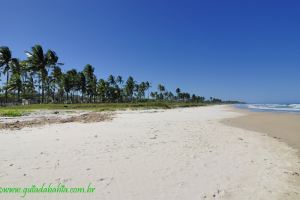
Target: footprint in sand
56,165
153,137
100,179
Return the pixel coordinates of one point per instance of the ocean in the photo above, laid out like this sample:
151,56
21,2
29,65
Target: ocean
272,107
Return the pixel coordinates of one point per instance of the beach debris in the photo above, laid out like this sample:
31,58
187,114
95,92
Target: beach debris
40,121
292,173
295,174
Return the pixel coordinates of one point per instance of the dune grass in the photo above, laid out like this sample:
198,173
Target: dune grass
14,111
11,112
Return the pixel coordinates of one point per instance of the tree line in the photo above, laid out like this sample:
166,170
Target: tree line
40,79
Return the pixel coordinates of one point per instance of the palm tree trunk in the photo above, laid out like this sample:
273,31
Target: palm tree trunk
6,89
18,96
43,91
53,95
40,80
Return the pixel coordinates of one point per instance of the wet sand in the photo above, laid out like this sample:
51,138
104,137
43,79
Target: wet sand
282,126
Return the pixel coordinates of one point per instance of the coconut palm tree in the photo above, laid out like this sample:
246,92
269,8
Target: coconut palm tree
102,90
161,90
94,87
178,93
41,63
148,85
153,95
67,84
5,59
129,87
73,78
41,71
119,80
90,82
142,87
15,82
82,84
57,76
111,80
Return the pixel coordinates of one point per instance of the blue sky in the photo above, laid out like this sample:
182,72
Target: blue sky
244,50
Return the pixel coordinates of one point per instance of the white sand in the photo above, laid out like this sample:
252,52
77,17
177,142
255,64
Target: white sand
148,155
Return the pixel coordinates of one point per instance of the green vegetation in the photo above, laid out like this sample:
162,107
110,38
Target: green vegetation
12,112
97,107
40,80
19,110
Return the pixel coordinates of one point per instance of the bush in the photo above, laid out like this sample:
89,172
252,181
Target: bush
11,113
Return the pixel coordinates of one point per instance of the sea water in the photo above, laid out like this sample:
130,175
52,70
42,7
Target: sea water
272,107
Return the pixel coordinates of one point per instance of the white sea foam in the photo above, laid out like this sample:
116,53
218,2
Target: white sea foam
276,107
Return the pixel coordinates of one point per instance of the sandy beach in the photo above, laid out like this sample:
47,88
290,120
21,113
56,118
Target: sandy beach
280,125
184,153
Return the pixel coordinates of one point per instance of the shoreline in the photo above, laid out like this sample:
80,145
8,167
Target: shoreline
283,126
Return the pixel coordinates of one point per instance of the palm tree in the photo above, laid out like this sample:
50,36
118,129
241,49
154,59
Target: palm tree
94,87
40,76
102,89
148,85
153,95
82,84
194,98
15,82
5,59
67,84
129,87
89,76
111,80
178,93
41,63
119,80
142,87
57,76
136,91
161,89
72,78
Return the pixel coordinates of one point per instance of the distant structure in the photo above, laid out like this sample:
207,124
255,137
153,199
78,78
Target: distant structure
25,102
